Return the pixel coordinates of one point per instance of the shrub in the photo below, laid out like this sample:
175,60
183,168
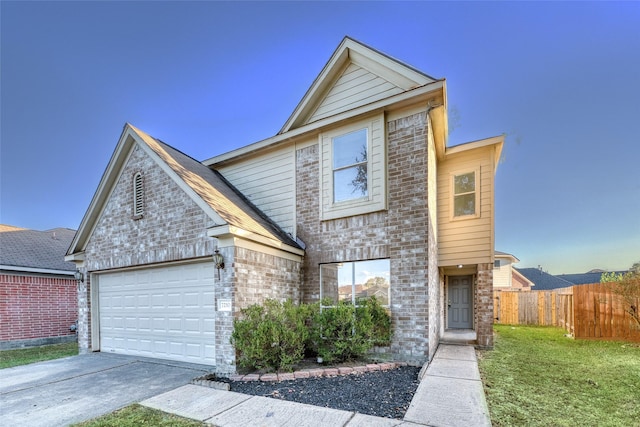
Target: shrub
271,336
345,331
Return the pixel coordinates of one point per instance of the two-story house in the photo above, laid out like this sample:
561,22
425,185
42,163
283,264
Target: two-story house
358,194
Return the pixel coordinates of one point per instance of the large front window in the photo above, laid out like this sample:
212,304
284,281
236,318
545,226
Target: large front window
350,281
350,166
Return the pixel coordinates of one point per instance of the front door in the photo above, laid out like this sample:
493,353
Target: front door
459,302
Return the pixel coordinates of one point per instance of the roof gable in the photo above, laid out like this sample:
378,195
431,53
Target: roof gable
212,193
355,75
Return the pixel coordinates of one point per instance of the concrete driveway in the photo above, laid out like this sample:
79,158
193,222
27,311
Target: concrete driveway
66,391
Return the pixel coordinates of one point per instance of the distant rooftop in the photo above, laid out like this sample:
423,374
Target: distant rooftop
542,280
33,249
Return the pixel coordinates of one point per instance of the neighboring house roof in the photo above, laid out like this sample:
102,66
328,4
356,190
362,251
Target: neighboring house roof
231,212
543,281
498,254
521,281
35,251
585,278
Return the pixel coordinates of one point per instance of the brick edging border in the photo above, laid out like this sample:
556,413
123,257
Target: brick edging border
318,372
303,373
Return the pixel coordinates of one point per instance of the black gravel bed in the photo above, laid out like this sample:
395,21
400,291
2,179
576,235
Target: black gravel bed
381,393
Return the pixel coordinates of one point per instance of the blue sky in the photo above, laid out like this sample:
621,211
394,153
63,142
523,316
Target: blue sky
561,80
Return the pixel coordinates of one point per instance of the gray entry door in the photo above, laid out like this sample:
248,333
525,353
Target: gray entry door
459,303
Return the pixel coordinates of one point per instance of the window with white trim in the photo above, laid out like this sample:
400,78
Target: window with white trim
465,194
350,179
351,281
138,195
353,169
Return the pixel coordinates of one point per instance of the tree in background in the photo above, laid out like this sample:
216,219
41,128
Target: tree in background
627,287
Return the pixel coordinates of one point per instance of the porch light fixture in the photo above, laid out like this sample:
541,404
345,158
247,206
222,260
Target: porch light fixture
78,276
218,260
459,265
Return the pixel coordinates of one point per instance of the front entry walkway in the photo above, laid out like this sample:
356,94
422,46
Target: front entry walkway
450,393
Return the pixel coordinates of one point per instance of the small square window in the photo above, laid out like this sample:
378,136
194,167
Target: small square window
464,194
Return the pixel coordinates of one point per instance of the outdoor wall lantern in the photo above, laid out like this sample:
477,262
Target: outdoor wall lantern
78,276
218,260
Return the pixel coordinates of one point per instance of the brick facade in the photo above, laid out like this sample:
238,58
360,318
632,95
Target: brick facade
36,307
399,233
172,228
484,305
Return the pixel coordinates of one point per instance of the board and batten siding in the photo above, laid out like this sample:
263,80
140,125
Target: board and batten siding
355,87
468,240
268,181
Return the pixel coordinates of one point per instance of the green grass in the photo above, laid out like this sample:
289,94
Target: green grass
24,356
137,415
535,376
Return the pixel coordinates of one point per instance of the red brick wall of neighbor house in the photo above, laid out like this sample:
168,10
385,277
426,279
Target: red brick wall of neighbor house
399,233
484,305
36,307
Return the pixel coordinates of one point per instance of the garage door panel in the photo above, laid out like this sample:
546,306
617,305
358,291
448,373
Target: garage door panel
164,312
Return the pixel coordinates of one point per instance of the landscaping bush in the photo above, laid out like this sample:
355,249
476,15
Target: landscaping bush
345,331
277,335
271,336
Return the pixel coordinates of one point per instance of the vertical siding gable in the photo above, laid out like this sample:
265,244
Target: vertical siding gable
355,87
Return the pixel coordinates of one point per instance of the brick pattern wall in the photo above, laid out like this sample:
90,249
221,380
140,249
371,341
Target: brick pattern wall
484,305
172,228
399,233
36,306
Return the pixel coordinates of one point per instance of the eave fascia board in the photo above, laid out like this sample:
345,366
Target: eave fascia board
202,204
36,270
496,141
231,230
418,93
75,257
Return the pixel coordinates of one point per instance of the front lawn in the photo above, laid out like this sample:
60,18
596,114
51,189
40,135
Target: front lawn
137,415
24,356
535,376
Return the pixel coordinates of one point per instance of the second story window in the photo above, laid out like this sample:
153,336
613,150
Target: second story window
464,195
138,195
350,173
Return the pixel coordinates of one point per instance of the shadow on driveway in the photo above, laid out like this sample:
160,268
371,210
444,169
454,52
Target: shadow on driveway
74,389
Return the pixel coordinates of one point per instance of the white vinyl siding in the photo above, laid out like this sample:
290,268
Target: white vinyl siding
162,312
355,87
375,199
268,181
468,241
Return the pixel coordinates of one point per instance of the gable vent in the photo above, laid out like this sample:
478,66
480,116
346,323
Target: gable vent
138,195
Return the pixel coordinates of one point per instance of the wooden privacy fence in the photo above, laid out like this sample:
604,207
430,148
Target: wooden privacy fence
585,311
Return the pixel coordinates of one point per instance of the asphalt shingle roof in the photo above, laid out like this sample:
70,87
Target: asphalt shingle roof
584,278
214,189
36,249
543,281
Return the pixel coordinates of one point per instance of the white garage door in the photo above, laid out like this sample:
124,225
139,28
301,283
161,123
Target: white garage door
163,312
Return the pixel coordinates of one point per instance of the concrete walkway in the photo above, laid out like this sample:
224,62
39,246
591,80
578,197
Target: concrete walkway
450,394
